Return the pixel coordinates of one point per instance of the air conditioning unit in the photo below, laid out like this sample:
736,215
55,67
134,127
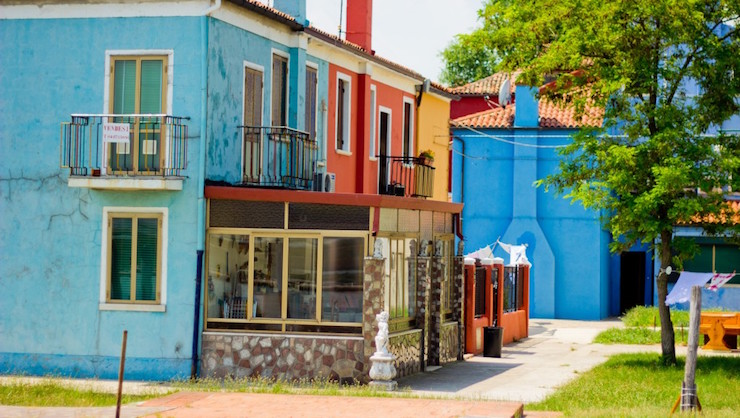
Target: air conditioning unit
324,182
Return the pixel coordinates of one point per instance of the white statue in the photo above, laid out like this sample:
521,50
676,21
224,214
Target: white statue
381,340
382,370
378,249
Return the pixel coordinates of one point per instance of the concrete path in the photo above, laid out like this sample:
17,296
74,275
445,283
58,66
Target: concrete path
556,352
529,370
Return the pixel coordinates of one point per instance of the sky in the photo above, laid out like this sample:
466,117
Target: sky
412,33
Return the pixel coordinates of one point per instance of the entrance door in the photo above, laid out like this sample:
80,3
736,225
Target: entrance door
384,149
632,280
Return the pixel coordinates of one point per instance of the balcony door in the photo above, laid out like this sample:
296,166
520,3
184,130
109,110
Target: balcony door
384,149
138,89
251,147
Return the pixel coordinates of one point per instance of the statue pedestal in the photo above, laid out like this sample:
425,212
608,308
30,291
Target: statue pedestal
383,371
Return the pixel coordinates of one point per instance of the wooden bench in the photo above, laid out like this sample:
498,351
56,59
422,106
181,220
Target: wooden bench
715,325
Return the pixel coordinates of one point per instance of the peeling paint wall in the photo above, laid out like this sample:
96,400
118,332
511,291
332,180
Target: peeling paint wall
230,49
51,233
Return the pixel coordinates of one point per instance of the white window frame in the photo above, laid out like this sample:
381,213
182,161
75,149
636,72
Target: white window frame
285,55
347,112
106,85
141,307
412,131
373,123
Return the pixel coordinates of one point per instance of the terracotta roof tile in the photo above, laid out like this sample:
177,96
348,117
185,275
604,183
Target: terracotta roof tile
729,216
485,86
494,118
350,45
269,9
551,116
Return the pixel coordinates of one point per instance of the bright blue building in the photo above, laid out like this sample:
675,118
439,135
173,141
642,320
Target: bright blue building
497,155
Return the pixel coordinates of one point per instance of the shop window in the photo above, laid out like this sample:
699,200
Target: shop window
285,282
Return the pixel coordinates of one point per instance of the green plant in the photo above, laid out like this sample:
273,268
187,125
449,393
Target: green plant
48,392
427,153
638,385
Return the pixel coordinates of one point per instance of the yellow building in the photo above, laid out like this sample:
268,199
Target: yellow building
434,135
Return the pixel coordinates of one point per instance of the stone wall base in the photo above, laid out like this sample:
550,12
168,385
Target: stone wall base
285,357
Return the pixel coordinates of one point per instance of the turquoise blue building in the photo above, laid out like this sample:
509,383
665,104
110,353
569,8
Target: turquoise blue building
81,212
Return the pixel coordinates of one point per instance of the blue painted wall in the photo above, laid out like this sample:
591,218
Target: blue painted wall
570,276
229,48
50,234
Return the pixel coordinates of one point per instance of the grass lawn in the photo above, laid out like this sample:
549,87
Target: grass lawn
51,393
643,327
637,385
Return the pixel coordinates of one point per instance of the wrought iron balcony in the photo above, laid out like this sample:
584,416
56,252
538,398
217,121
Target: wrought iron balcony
124,145
406,176
277,156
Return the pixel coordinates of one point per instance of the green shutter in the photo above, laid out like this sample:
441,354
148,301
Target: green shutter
146,259
124,90
120,280
151,87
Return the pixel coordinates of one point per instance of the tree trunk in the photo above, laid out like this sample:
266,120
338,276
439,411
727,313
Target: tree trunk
667,338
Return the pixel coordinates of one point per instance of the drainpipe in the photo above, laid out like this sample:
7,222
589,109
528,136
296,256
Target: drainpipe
201,231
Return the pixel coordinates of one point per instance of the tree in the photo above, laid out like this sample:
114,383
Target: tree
664,71
468,58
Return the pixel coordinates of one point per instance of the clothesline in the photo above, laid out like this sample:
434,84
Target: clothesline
682,289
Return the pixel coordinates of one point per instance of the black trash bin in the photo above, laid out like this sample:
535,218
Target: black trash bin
493,341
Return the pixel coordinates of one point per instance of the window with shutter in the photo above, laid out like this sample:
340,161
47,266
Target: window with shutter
311,101
279,90
134,257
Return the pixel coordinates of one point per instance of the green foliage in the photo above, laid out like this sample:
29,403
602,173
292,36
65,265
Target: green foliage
664,71
469,57
639,385
638,335
50,393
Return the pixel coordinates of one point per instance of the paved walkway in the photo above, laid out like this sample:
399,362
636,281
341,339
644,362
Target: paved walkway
528,371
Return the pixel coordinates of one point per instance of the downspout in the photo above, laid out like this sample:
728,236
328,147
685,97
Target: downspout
201,229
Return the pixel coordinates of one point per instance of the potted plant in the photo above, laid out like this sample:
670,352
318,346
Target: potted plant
427,156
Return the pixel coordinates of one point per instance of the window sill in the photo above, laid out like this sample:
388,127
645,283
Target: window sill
133,307
126,183
343,152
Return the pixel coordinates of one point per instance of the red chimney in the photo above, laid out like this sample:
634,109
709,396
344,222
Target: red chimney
360,23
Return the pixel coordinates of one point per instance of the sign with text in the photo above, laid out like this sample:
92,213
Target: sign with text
116,132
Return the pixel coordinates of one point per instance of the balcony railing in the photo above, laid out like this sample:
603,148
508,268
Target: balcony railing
277,156
406,176
131,145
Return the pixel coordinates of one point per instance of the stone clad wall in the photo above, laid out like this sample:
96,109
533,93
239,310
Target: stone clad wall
449,343
406,346
287,357
372,305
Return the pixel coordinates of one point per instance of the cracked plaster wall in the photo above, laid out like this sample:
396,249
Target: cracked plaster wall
51,234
